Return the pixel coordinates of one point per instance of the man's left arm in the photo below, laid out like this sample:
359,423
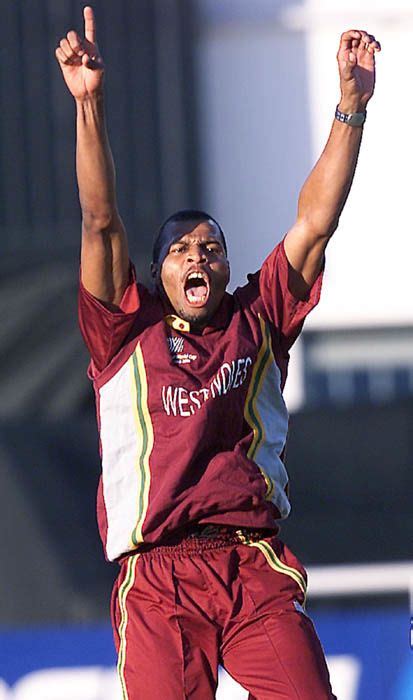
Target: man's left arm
325,191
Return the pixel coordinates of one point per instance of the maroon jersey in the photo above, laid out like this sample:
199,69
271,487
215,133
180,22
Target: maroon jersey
192,426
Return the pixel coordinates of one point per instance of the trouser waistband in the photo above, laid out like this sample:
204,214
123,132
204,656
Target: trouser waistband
199,538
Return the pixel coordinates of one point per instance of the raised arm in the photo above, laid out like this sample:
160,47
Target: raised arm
324,193
104,254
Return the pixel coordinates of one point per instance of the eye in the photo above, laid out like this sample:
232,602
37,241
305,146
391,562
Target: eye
213,248
177,249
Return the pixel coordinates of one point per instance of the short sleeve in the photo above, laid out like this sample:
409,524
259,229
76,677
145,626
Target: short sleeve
286,312
104,330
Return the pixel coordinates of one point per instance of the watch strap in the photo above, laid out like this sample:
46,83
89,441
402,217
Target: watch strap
352,119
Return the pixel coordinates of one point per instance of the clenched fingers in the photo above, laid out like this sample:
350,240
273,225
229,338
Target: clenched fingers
355,39
61,56
70,49
75,43
368,42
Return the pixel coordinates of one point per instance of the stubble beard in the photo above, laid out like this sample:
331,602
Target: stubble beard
198,318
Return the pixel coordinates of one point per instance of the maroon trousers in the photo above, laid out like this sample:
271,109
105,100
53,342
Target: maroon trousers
180,611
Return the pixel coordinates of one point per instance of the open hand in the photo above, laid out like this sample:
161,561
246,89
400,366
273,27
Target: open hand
80,60
356,64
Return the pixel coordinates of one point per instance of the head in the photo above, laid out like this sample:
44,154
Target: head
190,265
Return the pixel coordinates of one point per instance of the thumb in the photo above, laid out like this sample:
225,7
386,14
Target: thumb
91,63
87,61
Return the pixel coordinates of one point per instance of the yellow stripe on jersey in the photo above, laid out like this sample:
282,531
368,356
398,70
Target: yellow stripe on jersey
279,566
251,414
144,431
123,593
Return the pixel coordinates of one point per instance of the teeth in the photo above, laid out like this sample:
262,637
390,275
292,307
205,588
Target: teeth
193,297
196,298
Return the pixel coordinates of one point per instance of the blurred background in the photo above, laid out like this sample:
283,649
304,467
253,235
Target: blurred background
223,105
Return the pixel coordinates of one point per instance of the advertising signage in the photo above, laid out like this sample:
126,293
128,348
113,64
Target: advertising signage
368,652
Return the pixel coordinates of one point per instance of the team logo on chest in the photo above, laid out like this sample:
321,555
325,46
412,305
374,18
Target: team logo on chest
176,348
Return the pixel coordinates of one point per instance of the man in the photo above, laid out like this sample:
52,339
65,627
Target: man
188,383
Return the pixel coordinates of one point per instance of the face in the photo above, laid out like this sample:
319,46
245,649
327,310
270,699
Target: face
195,272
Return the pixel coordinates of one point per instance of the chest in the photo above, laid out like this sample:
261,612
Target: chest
187,373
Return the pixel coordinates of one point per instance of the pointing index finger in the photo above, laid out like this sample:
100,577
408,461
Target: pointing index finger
90,26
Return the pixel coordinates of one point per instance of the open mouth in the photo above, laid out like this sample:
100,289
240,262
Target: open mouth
197,288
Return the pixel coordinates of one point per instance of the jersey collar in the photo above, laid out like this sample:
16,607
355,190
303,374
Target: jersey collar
219,321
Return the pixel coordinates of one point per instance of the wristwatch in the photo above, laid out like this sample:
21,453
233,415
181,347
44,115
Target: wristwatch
353,119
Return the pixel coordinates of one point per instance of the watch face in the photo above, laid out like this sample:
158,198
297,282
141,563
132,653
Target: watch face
356,119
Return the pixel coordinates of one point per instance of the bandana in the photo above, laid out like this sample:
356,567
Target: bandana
166,237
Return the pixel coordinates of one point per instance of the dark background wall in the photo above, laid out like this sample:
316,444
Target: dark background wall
352,482
147,46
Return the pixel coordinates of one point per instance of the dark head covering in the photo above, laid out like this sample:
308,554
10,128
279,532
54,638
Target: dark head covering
165,237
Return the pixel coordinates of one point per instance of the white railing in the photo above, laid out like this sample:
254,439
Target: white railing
361,579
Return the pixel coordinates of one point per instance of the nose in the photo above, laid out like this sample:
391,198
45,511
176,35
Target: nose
196,253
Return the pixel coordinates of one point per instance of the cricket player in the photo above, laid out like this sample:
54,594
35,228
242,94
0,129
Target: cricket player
188,381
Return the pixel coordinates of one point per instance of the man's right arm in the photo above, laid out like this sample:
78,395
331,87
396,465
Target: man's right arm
104,253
